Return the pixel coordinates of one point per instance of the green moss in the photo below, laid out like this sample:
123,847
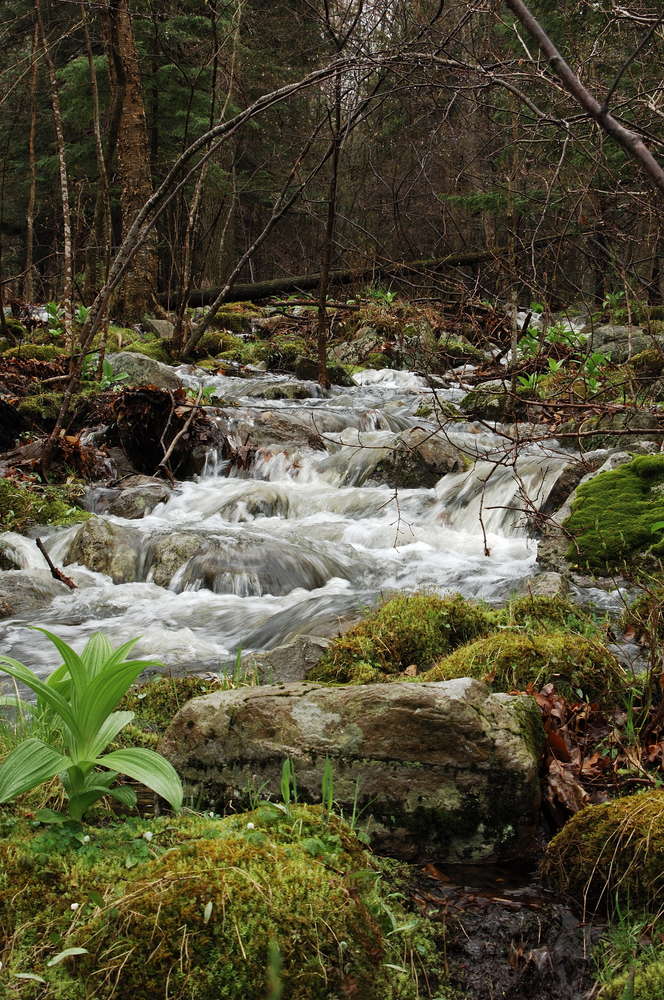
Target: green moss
157,702
546,614
216,342
613,515
156,349
647,983
406,630
612,853
195,910
37,352
512,661
648,363
26,504
42,408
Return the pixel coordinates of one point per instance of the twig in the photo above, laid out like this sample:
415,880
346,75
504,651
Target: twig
180,433
56,573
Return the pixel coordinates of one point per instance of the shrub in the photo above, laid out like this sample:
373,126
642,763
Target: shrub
407,630
612,853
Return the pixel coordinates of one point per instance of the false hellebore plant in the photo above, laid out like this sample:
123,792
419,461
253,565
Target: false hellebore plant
80,699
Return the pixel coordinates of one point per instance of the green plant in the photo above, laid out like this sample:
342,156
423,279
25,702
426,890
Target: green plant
55,316
529,381
536,307
81,697
109,377
381,295
81,314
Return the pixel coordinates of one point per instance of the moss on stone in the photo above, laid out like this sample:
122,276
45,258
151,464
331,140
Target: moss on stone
508,660
37,352
156,703
217,342
612,853
614,513
23,505
407,630
193,907
155,348
648,363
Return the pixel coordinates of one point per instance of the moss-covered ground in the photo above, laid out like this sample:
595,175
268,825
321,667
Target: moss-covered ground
197,908
26,503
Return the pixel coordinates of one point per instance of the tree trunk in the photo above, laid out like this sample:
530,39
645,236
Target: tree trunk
28,277
67,248
140,281
100,231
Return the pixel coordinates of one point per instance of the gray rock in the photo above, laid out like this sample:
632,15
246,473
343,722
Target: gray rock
106,548
283,664
447,769
548,584
419,460
24,590
621,342
162,327
137,496
140,370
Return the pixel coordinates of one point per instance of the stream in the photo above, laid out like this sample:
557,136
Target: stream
304,537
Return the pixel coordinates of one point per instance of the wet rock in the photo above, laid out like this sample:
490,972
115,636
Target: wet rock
168,553
141,370
137,496
106,548
24,590
419,460
490,400
275,427
442,769
621,342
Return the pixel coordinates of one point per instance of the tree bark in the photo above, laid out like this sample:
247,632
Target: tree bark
100,232
140,281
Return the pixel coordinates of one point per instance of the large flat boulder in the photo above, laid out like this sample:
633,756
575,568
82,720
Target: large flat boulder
447,770
137,369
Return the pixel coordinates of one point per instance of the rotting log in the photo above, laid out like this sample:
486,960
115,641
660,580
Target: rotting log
304,282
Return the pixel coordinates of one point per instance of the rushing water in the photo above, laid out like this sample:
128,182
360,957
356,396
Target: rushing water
305,536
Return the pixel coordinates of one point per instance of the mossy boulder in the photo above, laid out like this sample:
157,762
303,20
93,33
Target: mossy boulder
194,907
406,631
155,348
37,352
612,853
218,342
139,369
25,504
647,983
614,516
442,770
509,660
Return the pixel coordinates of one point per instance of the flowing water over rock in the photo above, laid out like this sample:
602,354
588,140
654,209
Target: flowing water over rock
303,530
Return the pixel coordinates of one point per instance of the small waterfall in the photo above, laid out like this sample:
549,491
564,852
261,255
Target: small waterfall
300,532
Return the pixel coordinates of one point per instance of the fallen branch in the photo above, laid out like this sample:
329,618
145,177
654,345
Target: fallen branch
56,573
304,282
162,467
